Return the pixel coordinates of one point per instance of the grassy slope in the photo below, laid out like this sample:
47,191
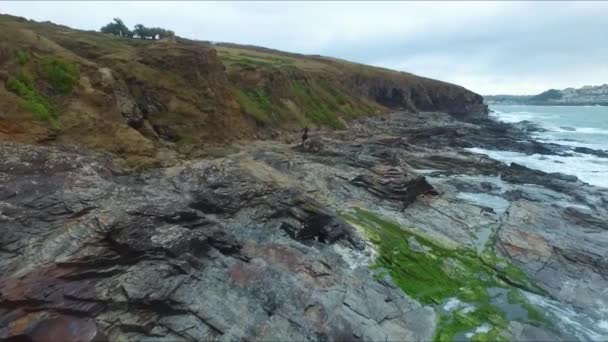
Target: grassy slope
191,93
276,87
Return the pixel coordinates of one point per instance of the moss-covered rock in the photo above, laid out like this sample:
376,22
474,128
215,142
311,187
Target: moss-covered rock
460,283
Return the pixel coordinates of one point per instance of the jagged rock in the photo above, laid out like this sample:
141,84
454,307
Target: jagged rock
255,245
315,223
529,127
132,257
394,183
525,332
126,105
42,326
312,145
586,150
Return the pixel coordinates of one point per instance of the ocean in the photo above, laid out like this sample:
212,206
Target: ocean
573,126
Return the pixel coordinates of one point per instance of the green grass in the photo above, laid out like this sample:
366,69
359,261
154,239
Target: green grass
22,57
319,109
258,104
434,277
269,111
460,322
22,84
297,95
185,140
61,75
249,61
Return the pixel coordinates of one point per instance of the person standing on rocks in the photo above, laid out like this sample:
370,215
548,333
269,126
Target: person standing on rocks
305,135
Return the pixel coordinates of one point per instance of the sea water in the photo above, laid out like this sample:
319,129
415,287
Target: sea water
572,126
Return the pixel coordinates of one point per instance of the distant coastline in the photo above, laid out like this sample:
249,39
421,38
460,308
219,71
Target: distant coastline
585,96
573,104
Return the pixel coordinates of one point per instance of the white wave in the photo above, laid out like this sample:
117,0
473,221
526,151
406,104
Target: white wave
591,130
513,117
518,116
482,329
588,168
552,138
575,130
578,324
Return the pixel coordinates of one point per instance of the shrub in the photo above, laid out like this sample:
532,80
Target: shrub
117,28
62,76
22,57
22,85
143,32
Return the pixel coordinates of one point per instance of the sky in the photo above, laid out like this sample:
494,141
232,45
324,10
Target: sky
488,47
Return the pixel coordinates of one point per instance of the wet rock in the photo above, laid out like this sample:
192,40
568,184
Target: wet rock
316,224
417,246
253,245
585,217
529,127
38,327
586,150
189,252
312,145
525,332
126,105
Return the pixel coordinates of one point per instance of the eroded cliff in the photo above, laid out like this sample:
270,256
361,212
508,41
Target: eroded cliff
154,100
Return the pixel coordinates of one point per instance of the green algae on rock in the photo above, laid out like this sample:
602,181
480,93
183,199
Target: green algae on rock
463,286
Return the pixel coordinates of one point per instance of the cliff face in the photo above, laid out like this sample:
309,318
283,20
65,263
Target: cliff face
344,88
140,98
409,92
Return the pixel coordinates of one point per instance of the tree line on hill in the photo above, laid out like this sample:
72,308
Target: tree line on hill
118,28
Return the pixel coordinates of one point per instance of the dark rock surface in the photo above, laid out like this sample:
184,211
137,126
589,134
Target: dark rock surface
252,246
187,253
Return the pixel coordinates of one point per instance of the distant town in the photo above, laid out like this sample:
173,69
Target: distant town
585,96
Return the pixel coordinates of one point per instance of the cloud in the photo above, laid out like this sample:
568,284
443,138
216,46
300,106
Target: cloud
489,47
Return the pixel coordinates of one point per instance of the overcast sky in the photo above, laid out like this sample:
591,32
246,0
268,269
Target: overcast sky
488,47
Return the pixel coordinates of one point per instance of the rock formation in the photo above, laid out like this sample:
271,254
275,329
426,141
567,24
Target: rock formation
268,243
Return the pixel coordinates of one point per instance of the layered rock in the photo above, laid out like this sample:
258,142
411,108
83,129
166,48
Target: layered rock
199,251
251,245
394,183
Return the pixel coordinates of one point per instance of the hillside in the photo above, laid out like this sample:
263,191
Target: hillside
587,95
139,98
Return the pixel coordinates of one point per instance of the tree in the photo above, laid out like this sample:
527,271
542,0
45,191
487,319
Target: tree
143,32
117,28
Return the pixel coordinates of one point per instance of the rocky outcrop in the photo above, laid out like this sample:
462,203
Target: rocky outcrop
402,91
259,245
394,183
207,250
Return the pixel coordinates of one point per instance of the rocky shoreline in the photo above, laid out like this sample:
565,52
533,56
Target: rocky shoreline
389,230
